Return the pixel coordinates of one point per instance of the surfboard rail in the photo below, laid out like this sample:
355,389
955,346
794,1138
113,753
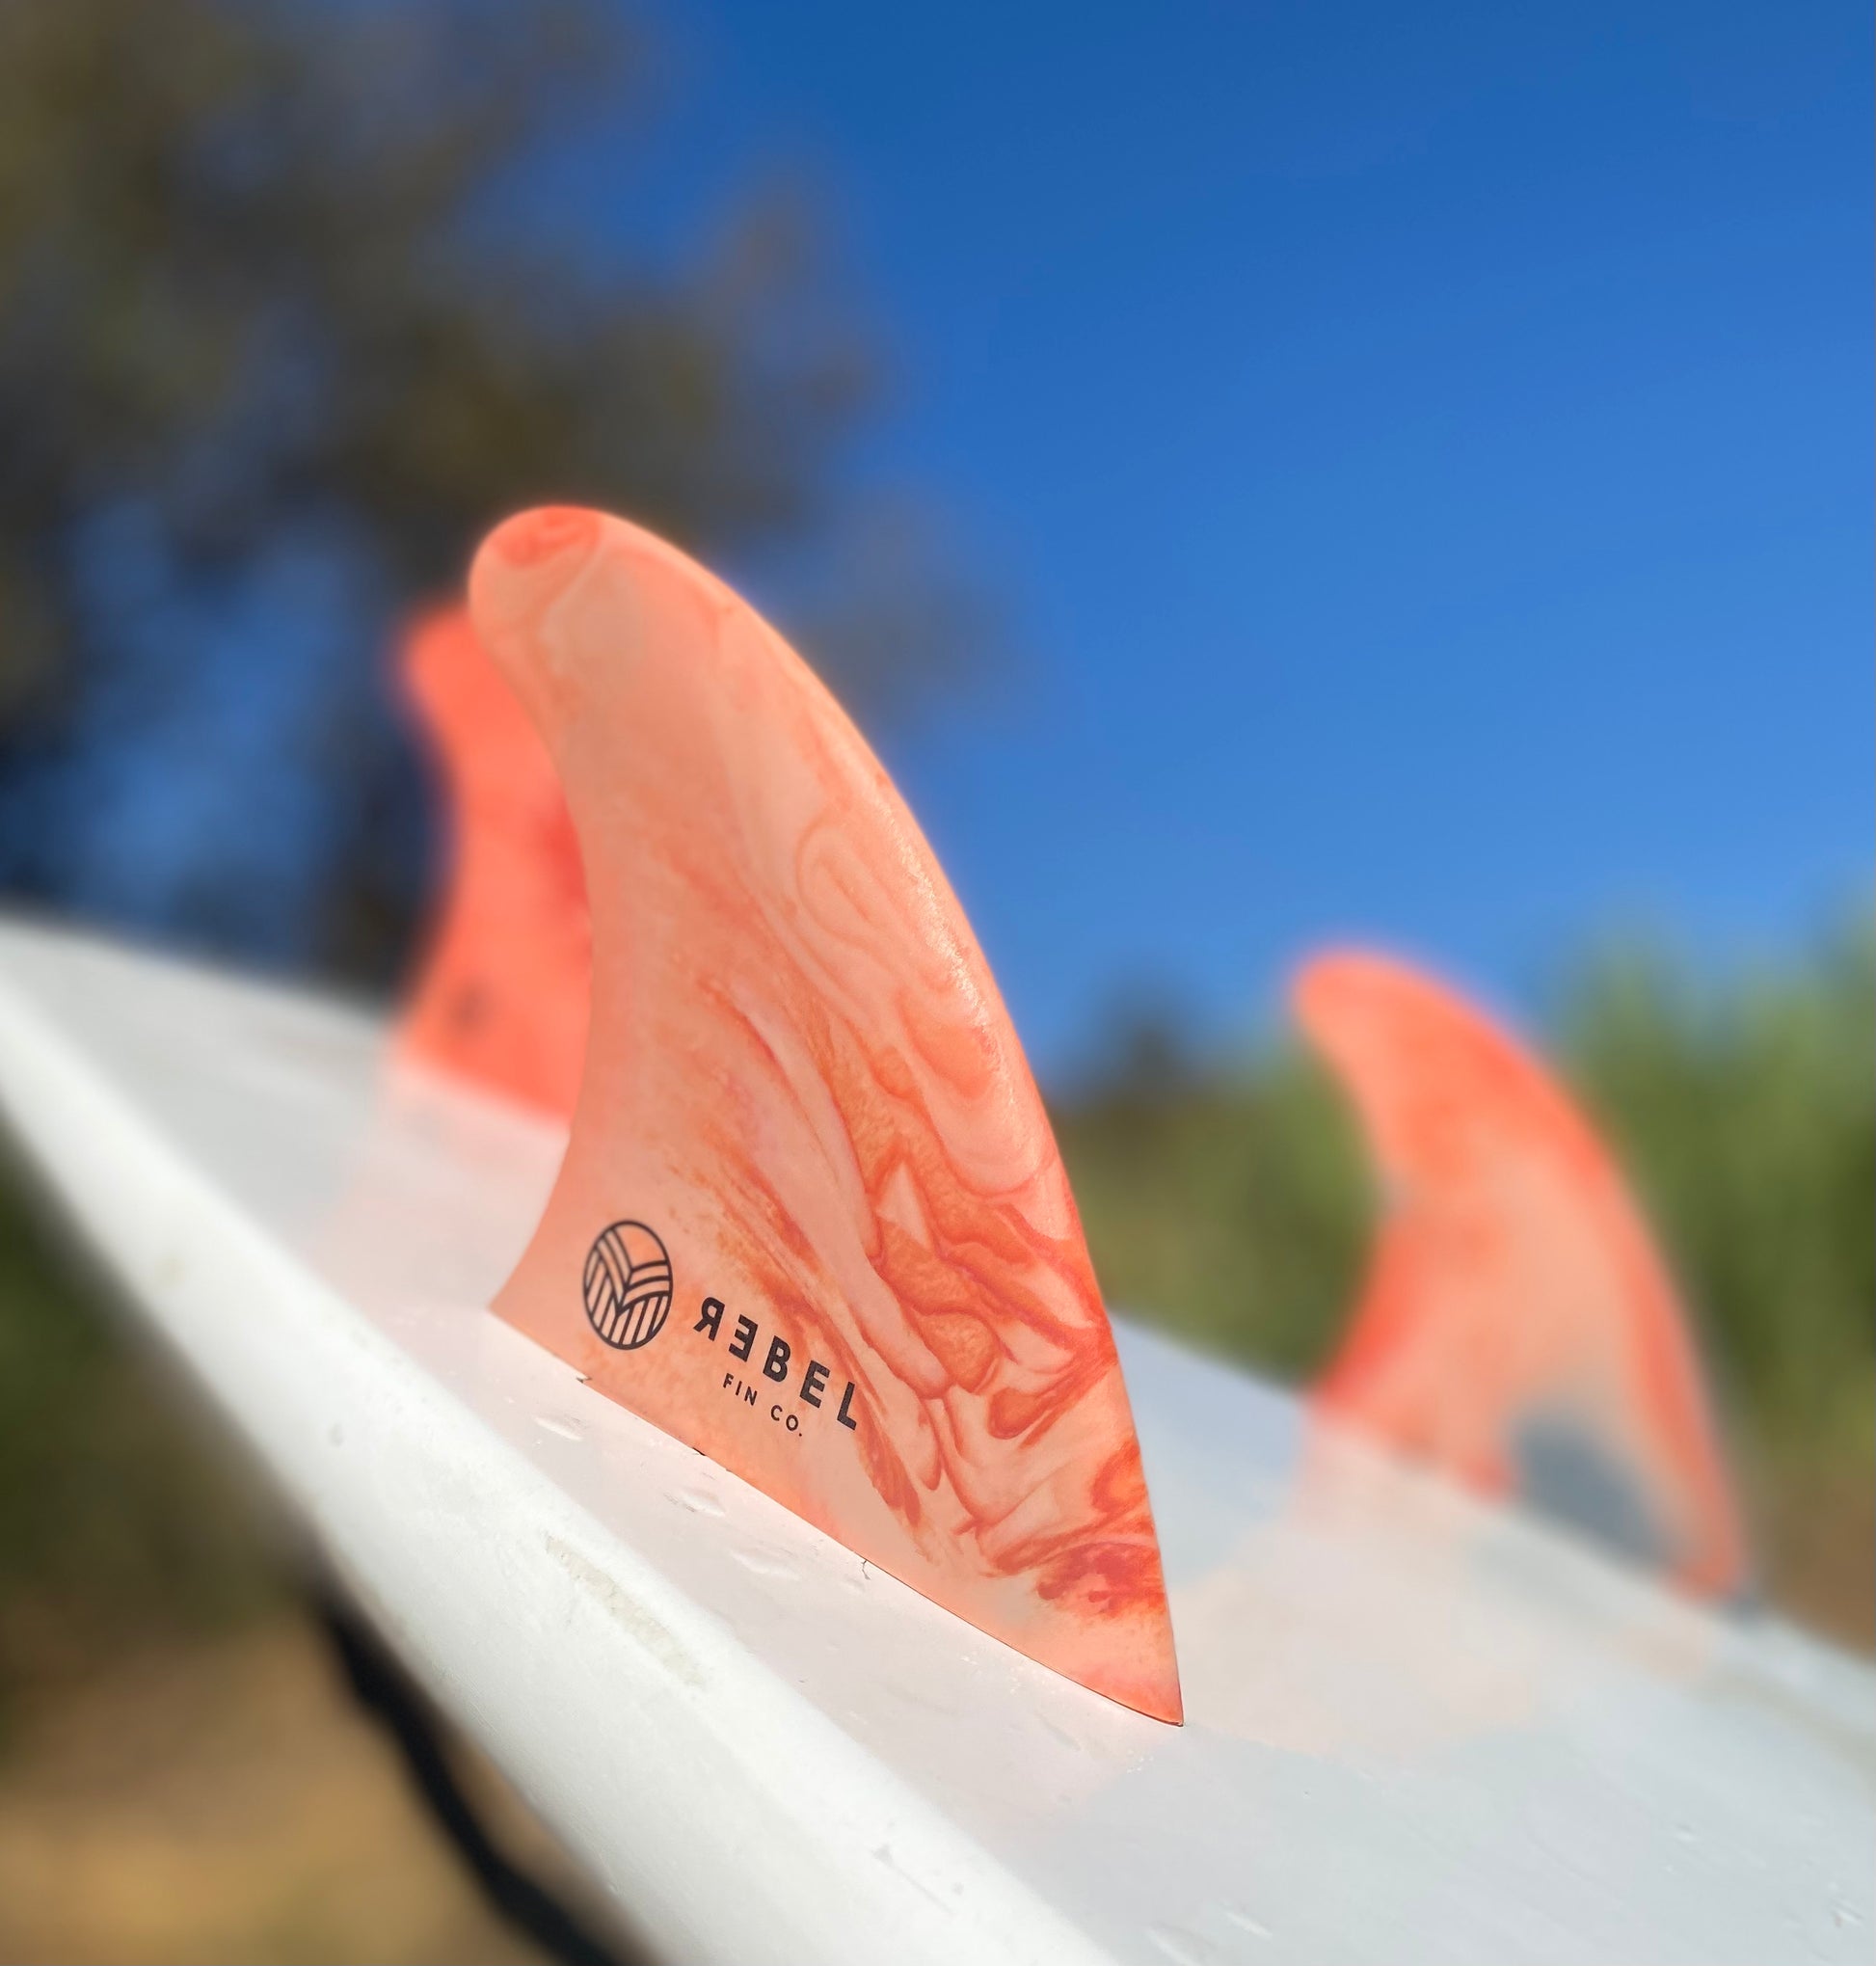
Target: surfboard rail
1406,1710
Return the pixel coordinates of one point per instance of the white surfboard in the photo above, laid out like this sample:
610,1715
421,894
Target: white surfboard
1415,1726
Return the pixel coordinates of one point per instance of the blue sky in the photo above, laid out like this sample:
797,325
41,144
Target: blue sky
1421,456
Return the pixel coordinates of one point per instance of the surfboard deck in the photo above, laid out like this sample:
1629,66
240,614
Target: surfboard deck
1414,1723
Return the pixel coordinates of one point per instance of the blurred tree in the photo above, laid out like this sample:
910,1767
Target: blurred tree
270,360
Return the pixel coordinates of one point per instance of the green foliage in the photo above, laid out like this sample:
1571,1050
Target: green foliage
1747,1117
121,1520
1230,1205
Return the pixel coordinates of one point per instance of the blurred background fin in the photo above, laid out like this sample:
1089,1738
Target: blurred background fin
1517,1329
500,995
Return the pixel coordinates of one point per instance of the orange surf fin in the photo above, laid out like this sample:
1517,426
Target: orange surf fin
500,996
811,1219
1517,1329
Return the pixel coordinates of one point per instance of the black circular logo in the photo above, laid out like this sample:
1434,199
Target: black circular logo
627,1285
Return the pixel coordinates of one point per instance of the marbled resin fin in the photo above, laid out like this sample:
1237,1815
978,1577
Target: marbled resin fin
1517,1327
500,996
811,1219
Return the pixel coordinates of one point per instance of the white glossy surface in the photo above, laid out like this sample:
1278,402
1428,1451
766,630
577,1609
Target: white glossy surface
1416,1729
